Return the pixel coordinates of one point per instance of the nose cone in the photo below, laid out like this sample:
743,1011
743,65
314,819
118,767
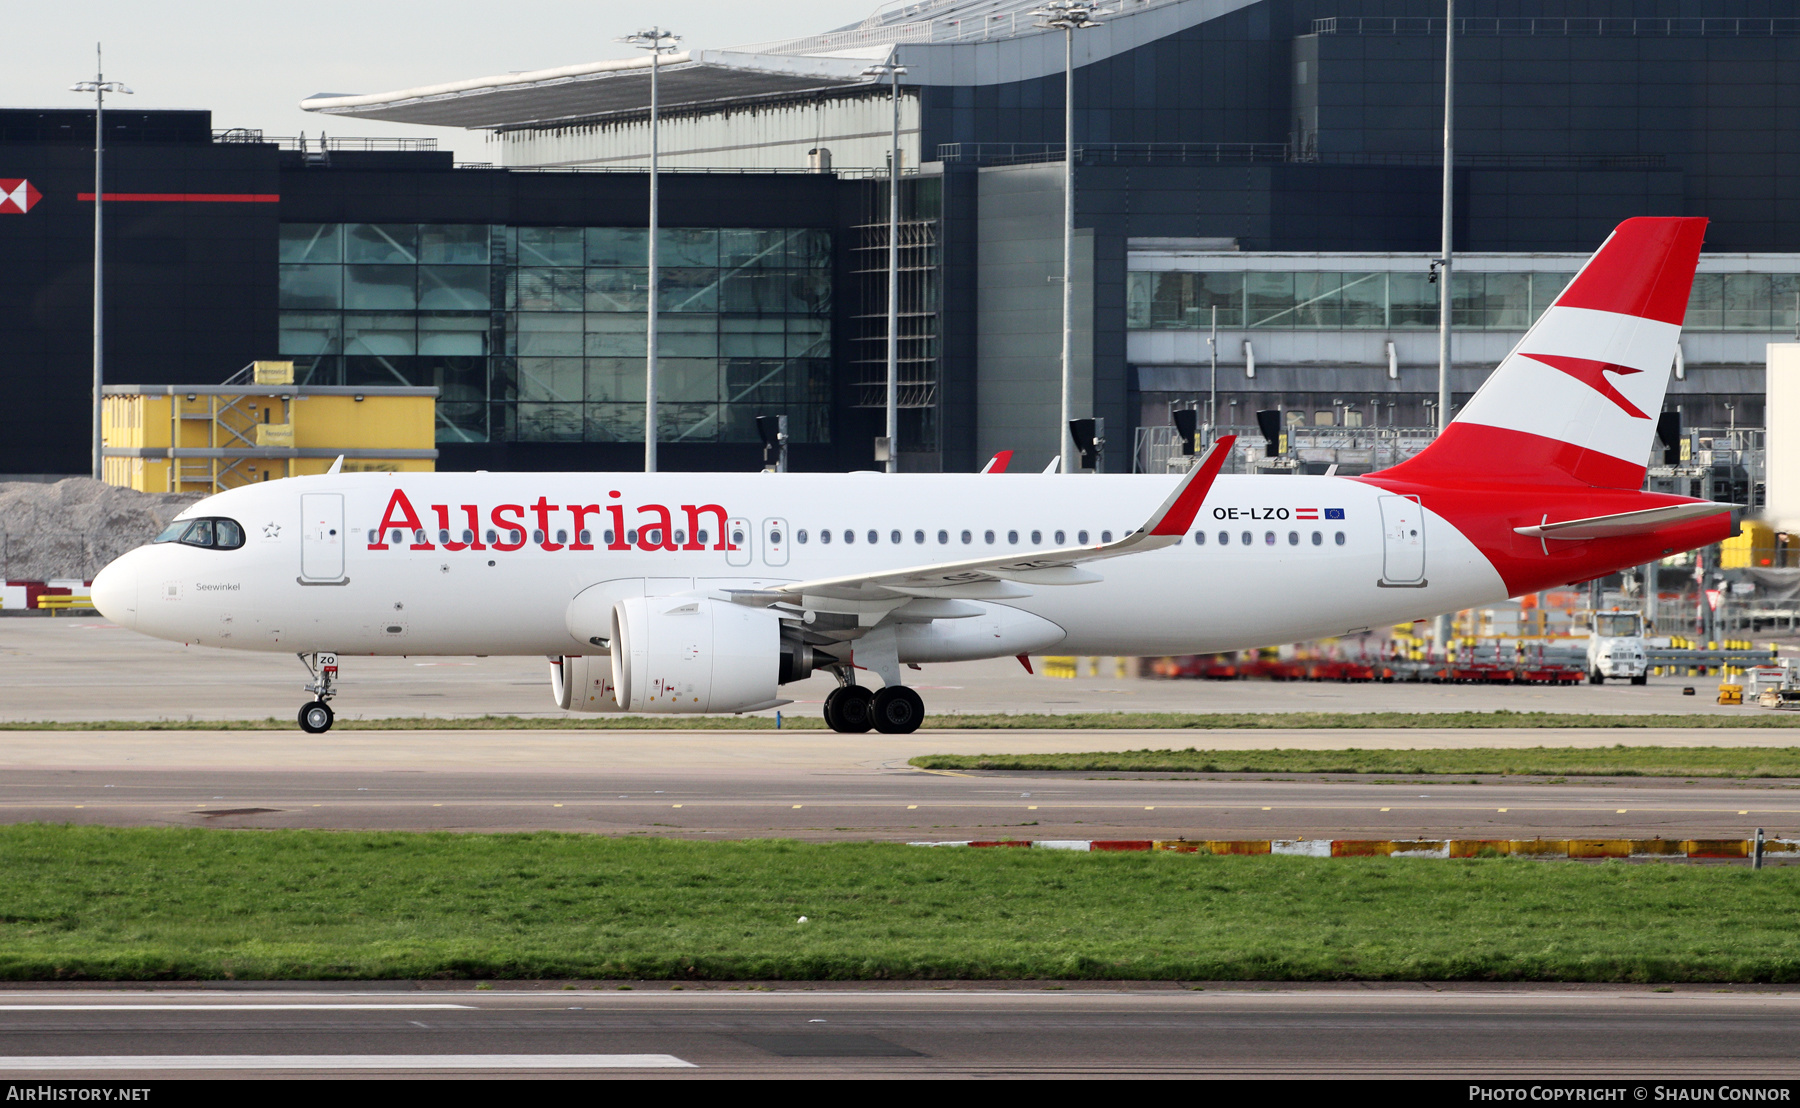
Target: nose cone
115,592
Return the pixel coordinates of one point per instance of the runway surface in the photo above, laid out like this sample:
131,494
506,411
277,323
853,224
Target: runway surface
819,786
1032,1030
84,669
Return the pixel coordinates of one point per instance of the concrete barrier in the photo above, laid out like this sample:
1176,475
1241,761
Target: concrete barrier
1578,849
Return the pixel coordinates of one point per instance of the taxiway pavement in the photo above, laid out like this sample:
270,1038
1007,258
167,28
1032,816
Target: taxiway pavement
85,669
1036,1029
821,786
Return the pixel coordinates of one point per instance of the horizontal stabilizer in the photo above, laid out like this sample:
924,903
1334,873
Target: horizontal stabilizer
1624,523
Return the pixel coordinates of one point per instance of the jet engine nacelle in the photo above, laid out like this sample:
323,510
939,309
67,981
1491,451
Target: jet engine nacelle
583,683
689,654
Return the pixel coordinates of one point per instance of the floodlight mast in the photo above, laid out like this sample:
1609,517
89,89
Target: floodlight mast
1068,16
99,86
892,70
658,41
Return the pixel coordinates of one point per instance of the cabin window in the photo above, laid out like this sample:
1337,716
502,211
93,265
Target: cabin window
800,535
849,536
1199,538
967,538
493,536
874,537
1340,538
1293,538
894,537
586,536
1061,537
1012,537
988,536
680,536
1318,539
943,537
1106,536
607,535
537,537
631,537
1037,538
1248,538
700,537
1081,537
825,536
919,537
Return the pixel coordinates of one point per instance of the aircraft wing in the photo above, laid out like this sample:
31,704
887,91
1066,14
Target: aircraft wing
1624,523
1002,576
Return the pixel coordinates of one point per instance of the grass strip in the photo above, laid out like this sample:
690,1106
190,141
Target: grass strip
1025,721
162,904
1613,761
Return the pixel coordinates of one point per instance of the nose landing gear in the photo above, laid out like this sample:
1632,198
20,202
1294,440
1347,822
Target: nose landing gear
316,716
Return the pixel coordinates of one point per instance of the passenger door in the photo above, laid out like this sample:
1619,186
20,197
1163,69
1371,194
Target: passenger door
737,542
1402,542
775,542
322,536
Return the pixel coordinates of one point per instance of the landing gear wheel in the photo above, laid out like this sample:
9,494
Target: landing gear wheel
898,710
848,710
316,718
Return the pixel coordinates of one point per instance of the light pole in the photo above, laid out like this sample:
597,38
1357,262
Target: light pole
99,86
892,69
1068,16
1444,293
659,42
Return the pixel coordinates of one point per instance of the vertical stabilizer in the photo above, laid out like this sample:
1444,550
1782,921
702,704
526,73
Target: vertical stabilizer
1576,401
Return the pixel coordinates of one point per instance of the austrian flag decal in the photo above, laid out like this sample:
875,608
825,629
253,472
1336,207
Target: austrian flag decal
16,196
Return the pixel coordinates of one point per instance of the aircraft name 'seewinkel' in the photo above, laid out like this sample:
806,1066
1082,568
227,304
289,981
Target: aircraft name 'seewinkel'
708,592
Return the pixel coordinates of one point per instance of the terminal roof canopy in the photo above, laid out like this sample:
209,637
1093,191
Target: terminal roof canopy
941,42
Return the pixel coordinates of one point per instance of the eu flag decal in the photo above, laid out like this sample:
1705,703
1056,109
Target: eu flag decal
1334,513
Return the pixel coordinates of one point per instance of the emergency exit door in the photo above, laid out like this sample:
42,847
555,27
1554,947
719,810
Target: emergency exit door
322,536
1402,541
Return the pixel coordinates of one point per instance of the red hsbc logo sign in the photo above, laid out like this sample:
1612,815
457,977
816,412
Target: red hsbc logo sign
17,196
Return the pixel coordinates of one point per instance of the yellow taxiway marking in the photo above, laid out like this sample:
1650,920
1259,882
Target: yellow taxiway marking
1268,809
939,772
1743,811
675,805
796,807
1031,807
1496,809
1149,807
556,805
1619,812
1384,809
911,807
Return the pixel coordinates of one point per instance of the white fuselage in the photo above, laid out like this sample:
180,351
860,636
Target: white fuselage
293,587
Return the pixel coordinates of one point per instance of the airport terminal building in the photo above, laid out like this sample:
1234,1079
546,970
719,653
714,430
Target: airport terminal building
1271,165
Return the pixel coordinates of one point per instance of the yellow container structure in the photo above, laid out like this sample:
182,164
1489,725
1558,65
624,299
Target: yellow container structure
207,438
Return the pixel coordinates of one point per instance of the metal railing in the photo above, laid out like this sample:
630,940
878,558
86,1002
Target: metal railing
1116,153
1596,25
956,21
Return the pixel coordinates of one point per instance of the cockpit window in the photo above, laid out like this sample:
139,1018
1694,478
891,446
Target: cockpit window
214,534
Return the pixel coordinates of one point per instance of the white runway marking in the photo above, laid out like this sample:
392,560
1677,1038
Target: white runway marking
201,1006
92,1062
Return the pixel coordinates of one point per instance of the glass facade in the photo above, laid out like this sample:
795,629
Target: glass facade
536,334
1406,300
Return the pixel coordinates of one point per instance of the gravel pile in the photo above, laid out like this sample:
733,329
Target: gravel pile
74,527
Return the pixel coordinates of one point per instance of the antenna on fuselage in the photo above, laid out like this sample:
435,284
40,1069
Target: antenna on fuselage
336,467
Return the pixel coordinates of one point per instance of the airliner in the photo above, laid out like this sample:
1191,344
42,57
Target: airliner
706,593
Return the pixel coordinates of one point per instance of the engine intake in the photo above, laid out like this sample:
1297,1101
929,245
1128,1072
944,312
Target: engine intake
583,684
686,654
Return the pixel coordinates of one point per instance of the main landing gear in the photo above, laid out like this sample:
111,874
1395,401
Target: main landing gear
852,709
316,716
